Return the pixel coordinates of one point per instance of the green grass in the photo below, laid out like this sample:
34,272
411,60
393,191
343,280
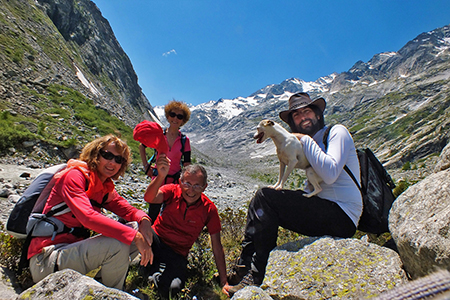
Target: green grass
370,122
64,118
294,182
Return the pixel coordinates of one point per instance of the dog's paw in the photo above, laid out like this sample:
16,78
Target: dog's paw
313,193
276,187
309,195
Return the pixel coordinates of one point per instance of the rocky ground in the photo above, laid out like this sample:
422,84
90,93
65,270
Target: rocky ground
226,188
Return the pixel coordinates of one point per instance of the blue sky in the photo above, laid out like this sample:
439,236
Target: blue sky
201,50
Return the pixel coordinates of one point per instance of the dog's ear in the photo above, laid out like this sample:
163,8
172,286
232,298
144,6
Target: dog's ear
268,123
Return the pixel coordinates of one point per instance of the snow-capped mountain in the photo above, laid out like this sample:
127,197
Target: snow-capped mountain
229,108
396,103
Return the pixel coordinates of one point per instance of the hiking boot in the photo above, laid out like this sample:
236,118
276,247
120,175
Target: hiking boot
154,279
237,273
140,295
247,280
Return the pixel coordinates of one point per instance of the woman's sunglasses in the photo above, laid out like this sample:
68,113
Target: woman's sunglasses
109,156
173,115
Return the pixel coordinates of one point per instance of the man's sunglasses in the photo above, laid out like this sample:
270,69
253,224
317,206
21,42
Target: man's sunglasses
109,156
173,115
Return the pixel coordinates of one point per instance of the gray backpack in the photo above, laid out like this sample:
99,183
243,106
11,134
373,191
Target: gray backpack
32,202
27,220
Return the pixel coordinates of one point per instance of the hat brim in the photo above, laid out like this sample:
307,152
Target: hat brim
319,102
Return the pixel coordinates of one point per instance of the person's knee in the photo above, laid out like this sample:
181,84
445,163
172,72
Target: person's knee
261,192
262,202
116,250
266,194
260,196
115,245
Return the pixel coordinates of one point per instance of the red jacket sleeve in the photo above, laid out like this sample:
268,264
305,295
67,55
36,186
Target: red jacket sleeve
71,187
121,207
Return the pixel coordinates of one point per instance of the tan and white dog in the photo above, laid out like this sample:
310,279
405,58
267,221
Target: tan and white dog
290,154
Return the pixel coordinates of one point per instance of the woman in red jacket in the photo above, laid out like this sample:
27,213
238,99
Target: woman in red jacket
85,186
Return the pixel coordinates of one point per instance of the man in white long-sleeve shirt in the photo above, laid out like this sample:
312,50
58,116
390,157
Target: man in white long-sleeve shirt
335,211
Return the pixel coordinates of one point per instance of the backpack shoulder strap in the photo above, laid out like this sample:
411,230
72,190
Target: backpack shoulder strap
183,142
100,205
152,159
325,137
353,177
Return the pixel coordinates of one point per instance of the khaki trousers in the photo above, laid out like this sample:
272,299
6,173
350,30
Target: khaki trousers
113,256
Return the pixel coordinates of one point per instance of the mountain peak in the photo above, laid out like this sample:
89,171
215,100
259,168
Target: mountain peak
374,99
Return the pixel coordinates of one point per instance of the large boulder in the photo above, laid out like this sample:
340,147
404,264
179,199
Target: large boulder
251,293
419,222
328,268
69,284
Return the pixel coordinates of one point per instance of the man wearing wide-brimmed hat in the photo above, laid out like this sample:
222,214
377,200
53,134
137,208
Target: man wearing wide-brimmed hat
297,103
335,211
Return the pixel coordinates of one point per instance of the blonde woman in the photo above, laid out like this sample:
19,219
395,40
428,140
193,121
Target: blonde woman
177,114
86,186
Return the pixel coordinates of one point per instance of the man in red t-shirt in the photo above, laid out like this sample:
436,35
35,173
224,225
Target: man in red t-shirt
186,211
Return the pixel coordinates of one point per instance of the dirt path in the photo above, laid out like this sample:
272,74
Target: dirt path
12,172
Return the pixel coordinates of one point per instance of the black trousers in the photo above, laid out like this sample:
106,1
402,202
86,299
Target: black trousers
289,209
169,264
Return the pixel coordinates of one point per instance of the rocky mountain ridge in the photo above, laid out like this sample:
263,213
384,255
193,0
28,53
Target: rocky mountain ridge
396,104
66,43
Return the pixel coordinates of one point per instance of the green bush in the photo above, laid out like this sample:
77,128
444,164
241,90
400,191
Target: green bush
406,166
12,134
233,224
400,187
10,250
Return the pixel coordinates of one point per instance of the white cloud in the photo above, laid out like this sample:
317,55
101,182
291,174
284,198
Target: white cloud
170,52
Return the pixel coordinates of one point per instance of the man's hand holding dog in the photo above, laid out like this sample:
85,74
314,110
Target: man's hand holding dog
299,135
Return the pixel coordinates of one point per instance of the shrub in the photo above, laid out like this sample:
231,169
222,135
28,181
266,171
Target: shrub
400,187
406,166
233,224
10,252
